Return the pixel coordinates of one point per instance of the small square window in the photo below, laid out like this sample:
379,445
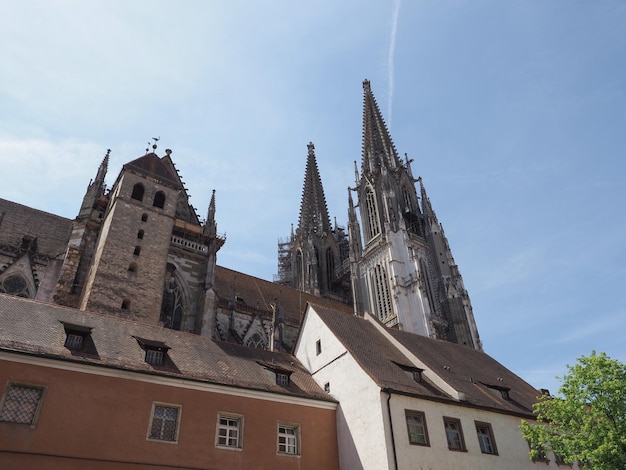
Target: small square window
486,439
282,378
74,341
154,357
21,404
454,434
164,423
318,347
416,427
229,431
288,437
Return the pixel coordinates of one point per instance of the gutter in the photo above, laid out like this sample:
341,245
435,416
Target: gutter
393,439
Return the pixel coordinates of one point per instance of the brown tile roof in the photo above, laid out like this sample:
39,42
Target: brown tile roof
36,328
475,374
52,231
151,165
261,294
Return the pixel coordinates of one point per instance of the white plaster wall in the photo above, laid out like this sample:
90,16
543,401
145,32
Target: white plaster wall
360,430
512,448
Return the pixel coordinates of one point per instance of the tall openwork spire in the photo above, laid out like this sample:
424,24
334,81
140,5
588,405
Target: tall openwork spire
313,210
378,148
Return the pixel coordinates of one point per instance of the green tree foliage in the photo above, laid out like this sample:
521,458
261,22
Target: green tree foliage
586,421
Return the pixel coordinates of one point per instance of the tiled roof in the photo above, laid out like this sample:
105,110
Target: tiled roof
52,231
151,165
261,294
473,373
34,327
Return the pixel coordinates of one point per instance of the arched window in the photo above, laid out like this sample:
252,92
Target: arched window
407,199
137,251
381,290
140,234
172,306
373,224
132,267
125,304
255,341
138,191
15,285
159,199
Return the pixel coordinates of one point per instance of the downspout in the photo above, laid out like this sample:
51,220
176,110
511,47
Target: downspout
393,440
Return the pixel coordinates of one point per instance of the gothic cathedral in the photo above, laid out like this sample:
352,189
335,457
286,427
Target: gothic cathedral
139,250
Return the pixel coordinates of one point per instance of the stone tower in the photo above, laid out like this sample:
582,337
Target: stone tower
315,258
127,272
402,268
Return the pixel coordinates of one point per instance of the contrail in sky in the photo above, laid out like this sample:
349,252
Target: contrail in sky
392,48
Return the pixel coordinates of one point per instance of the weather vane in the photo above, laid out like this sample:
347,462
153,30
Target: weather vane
154,145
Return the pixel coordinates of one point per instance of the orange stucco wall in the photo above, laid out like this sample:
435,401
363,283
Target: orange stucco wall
98,422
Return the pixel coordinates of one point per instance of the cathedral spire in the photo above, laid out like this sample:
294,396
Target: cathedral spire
378,149
313,210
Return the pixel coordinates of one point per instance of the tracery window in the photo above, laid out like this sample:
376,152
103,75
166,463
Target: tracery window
15,285
173,304
381,290
255,341
373,224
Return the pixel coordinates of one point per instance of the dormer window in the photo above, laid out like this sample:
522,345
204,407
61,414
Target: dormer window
281,376
155,351
78,339
414,373
498,390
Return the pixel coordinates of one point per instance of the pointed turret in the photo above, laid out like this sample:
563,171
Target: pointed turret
313,210
96,188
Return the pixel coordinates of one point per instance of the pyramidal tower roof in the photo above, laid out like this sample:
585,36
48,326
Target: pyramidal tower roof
378,148
313,210
152,165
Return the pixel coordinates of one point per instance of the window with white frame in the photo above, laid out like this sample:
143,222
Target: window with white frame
229,431
416,427
485,438
164,423
288,436
454,434
21,403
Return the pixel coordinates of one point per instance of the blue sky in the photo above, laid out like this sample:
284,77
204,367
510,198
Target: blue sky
514,113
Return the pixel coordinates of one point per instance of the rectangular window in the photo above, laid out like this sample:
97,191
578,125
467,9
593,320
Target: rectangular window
21,404
485,438
282,379
288,440
416,427
318,347
229,431
154,357
74,341
454,434
164,423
